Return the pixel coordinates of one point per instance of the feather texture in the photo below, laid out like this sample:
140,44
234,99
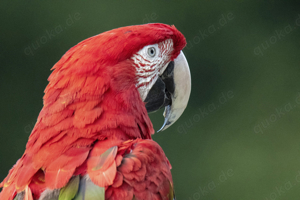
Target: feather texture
144,172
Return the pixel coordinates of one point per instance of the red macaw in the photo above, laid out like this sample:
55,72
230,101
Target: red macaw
92,139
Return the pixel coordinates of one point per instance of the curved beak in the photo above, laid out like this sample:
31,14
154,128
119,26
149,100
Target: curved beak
171,90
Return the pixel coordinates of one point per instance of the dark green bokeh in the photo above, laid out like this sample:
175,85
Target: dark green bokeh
239,136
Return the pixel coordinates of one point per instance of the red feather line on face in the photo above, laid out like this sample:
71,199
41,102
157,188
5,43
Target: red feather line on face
91,96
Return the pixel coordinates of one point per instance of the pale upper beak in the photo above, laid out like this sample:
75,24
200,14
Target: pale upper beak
171,90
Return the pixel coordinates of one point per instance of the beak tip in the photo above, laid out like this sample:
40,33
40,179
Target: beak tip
165,125
167,121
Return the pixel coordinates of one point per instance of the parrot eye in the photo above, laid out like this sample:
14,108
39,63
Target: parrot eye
151,51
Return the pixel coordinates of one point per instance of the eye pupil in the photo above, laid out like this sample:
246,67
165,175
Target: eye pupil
151,51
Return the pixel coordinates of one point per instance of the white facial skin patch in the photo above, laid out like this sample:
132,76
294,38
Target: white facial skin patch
150,62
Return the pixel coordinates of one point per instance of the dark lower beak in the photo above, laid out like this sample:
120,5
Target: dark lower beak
160,94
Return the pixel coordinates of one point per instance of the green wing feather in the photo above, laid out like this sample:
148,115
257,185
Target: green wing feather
89,191
70,190
171,192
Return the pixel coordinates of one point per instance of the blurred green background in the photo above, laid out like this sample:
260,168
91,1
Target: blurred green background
239,136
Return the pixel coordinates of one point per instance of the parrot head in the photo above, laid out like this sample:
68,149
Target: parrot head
147,57
164,76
